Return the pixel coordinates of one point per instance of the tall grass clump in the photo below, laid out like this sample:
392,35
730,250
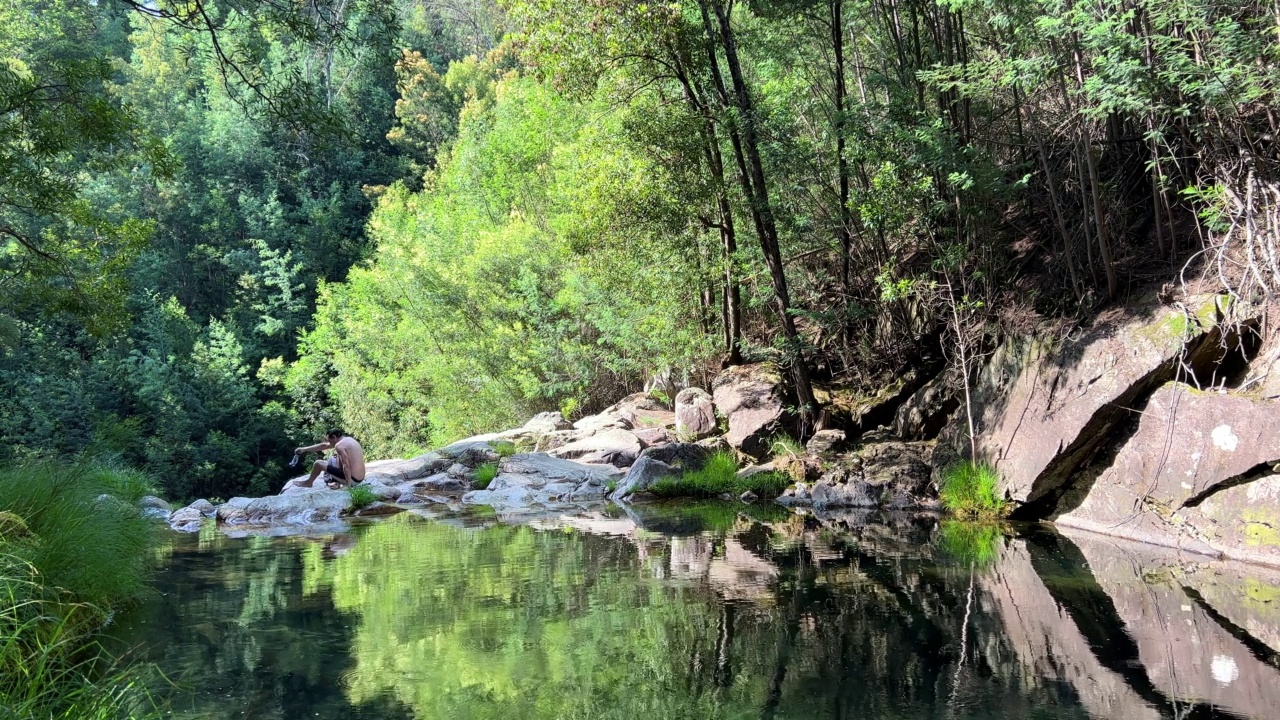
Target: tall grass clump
73,549
972,490
361,496
485,473
88,539
719,475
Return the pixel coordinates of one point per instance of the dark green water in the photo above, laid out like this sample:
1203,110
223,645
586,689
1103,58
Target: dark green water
702,613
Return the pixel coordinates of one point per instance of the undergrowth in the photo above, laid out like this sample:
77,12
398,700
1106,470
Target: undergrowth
719,476
72,551
972,490
485,473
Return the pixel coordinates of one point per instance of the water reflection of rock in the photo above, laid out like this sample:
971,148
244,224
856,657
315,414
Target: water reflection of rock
1192,650
1047,642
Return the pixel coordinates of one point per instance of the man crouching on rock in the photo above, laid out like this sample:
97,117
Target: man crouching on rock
345,467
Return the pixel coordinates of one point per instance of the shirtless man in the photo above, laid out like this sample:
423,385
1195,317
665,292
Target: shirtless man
345,467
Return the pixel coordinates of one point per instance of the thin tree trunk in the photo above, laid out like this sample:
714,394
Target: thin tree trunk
762,212
842,163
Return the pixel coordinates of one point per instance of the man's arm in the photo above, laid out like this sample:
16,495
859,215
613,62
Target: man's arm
318,447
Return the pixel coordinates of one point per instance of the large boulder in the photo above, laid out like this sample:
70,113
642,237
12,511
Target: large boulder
658,463
695,414
191,517
538,479
1201,473
469,452
297,508
153,508
547,422
1044,411
392,472
750,397
611,447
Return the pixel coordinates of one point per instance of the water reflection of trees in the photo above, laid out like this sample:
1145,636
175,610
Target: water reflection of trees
742,621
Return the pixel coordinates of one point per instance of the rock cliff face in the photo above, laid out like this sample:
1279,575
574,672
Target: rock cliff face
1201,473
1044,411
1132,429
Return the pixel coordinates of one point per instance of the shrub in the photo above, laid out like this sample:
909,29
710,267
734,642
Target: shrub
485,474
972,490
361,496
719,476
89,538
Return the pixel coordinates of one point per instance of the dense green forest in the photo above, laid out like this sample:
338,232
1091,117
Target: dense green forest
224,225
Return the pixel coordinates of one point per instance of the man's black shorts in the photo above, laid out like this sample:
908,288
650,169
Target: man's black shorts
336,472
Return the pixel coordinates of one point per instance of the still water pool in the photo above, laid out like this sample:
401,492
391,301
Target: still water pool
700,611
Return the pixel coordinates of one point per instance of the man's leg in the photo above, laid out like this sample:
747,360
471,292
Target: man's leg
336,474
317,467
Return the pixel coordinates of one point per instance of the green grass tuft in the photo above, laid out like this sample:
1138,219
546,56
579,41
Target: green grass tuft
361,496
972,490
719,476
504,448
783,445
485,474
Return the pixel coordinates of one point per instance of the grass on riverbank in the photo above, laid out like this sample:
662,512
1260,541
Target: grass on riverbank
485,473
719,476
361,496
73,550
972,490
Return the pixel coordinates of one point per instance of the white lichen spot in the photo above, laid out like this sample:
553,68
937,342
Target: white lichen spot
1224,439
1188,486
1224,669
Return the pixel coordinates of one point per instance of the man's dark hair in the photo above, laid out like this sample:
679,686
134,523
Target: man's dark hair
335,432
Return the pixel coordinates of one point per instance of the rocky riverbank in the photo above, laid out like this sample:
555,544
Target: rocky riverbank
1156,423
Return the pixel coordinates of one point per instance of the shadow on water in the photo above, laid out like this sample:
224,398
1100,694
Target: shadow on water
710,610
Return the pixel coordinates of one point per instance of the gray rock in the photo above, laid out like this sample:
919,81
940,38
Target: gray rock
657,463
613,447
855,494
695,414
393,472
748,497
1197,475
149,502
378,509
1044,410
825,442
470,452
192,517
461,472
547,422
298,508
750,397
538,478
